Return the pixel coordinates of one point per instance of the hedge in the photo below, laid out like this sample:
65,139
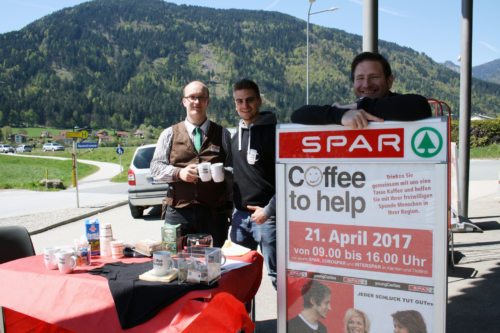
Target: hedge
482,132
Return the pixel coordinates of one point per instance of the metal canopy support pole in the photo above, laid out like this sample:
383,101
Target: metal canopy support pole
307,51
370,25
75,173
307,42
2,321
465,108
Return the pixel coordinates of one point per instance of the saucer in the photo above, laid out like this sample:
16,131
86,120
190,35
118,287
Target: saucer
151,276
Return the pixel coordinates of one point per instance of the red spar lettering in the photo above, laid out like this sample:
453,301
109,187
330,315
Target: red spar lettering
373,143
312,144
311,141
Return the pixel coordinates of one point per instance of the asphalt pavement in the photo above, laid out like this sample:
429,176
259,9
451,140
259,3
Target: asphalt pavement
40,211
473,288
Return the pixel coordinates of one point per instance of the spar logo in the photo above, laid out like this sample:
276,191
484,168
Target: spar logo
376,143
427,142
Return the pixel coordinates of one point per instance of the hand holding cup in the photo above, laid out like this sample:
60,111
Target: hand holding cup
189,174
252,156
204,172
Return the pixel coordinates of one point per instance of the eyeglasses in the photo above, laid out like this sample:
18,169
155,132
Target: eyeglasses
247,100
201,99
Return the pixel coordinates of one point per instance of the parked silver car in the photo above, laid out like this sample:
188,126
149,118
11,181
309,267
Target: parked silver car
24,149
5,148
52,146
142,193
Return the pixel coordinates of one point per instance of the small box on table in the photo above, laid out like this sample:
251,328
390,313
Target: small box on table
171,237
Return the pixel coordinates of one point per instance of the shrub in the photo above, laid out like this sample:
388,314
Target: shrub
482,132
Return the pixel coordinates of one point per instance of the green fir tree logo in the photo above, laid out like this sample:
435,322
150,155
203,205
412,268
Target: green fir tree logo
427,142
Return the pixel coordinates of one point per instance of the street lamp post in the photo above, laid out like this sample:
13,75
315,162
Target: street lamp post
307,42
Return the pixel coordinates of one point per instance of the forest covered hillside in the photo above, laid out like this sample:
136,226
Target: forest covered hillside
489,71
123,63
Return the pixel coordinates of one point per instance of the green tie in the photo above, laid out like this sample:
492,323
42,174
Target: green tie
197,139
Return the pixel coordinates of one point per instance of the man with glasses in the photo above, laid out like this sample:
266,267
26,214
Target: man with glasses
253,153
199,207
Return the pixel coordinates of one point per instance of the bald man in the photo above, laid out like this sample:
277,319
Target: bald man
198,206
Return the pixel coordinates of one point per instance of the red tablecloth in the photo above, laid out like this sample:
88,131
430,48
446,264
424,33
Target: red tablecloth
82,302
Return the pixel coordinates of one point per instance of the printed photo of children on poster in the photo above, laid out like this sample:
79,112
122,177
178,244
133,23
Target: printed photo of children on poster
316,304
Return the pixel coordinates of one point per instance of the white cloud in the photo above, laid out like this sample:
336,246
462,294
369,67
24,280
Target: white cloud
489,46
392,12
382,9
272,5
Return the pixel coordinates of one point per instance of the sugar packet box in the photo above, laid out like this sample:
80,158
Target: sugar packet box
92,233
171,237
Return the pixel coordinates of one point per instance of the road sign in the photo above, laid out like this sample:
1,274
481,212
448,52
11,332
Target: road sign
119,150
81,134
87,144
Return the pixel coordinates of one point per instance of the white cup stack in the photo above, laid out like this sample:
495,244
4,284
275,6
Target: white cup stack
117,249
105,239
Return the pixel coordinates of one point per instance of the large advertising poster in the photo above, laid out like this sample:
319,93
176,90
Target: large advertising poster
364,221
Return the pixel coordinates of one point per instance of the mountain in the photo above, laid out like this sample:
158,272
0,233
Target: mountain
449,64
489,71
121,63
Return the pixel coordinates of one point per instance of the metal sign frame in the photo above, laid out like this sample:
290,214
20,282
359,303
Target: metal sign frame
379,260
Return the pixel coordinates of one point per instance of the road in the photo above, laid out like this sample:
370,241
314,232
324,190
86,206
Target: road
484,170
484,178
94,190
124,227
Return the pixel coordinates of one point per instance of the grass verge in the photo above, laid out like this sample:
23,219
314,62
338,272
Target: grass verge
488,152
26,173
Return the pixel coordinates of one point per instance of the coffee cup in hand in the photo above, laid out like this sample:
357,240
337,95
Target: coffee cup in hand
217,170
252,156
204,172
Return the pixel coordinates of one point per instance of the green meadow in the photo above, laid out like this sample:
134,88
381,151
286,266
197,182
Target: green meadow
17,172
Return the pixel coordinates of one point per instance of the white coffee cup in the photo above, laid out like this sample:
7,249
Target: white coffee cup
204,171
49,257
252,156
117,247
162,263
66,261
217,170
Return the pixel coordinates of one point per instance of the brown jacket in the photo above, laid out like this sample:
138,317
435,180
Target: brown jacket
183,153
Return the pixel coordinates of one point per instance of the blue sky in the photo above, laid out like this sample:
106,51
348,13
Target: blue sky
429,26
